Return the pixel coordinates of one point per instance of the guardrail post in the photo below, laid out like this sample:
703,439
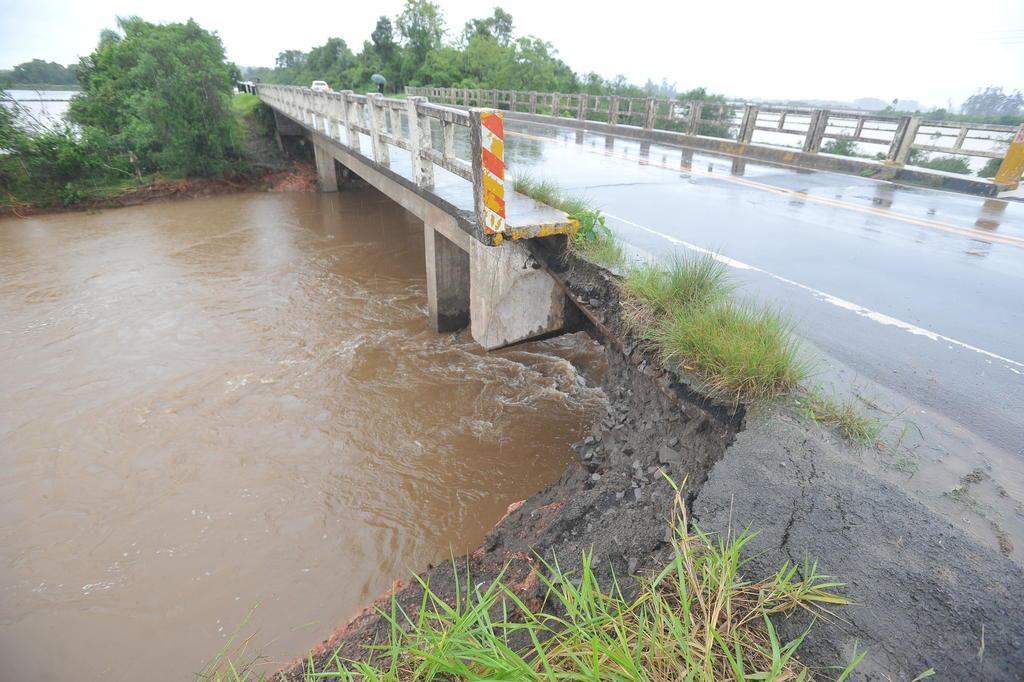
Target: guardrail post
613,111
695,110
816,130
649,109
581,113
419,141
380,147
903,140
487,136
554,103
334,116
347,115
512,101
748,124
533,102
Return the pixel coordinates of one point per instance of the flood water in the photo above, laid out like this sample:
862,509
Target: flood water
229,415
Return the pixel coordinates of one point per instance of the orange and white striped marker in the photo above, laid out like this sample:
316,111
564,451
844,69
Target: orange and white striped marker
492,150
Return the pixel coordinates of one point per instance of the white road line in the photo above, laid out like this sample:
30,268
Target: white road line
880,318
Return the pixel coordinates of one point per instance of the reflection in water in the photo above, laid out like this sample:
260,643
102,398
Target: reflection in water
739,166
235,404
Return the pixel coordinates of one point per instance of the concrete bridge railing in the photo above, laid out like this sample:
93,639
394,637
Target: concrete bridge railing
900,136
445,166
407,124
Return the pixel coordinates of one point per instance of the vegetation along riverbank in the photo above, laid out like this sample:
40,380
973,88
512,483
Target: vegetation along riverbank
156,118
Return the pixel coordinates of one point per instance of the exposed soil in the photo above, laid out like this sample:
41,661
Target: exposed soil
298,176
924,595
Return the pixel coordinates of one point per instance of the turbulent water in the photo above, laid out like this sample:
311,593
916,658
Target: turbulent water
228,417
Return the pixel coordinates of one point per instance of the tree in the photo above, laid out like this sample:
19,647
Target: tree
421,26
161,92
290,59
498,26
383,40
992,101
39,72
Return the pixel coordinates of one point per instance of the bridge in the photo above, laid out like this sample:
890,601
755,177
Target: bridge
446,166
915,290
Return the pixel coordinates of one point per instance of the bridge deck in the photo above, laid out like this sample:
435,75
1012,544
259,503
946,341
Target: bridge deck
916,290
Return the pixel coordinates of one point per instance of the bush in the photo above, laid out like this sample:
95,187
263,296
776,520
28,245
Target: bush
840,147
161,92
990,168
949,164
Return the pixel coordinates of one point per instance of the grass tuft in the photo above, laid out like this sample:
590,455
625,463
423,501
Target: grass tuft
696,618
843,416
743,351
594,241
653,289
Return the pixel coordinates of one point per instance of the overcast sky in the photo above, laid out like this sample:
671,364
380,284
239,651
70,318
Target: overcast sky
931,50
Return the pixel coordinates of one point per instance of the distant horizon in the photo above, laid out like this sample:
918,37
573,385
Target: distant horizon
804,53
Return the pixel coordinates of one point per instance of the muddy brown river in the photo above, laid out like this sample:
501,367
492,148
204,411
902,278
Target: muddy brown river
225,424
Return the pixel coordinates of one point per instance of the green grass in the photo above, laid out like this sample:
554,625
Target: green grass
244,104
684,280
743,351
594,241
843,416
697,618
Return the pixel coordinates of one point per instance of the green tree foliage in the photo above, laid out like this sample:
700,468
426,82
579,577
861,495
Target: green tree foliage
162,93
39,72
155,99
411,50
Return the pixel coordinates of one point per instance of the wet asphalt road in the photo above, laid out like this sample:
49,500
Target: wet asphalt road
920,291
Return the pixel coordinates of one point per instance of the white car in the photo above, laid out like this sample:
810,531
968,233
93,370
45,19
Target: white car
320,86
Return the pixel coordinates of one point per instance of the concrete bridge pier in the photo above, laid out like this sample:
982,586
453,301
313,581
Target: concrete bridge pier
448,282
500,292
511,298
325,170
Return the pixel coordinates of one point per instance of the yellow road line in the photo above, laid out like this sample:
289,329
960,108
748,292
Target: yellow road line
835,203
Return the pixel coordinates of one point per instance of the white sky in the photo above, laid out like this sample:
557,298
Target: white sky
928,50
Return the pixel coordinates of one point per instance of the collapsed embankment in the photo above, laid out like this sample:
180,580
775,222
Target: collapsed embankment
924,596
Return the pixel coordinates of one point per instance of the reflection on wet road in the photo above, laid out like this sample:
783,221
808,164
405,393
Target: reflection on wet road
912,295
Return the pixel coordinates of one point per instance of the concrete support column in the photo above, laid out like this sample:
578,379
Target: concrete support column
696,109
447,281
325,169
816,130
650,111
511,298
903,140
749,124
